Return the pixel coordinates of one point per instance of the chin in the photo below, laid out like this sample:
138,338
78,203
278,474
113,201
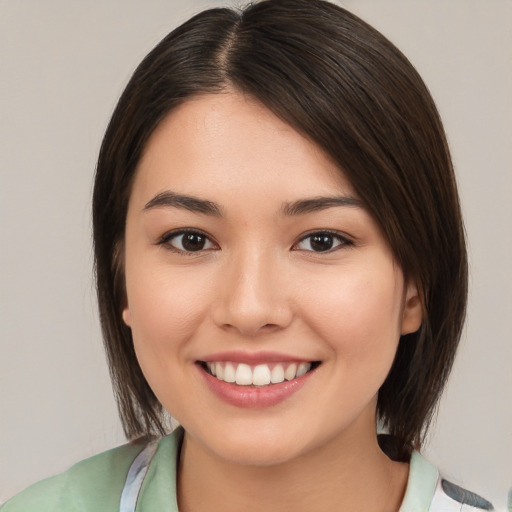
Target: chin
258,455
254,446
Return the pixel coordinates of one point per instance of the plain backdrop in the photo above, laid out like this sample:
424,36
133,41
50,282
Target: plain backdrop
63,65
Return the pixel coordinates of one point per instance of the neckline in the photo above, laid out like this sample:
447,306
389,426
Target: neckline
421,484
153,488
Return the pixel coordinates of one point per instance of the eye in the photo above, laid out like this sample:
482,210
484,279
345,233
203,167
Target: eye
187,241
322,241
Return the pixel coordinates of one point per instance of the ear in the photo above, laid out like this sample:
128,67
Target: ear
412,314
127,319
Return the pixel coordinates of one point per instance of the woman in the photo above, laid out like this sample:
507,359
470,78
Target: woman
280,262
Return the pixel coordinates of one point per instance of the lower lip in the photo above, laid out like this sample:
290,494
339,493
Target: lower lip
251,396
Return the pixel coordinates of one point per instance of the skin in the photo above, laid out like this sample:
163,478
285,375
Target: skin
257,285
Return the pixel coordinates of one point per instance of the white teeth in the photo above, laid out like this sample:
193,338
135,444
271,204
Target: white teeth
303,369
259,375
277,374
229,373
290,372
243,375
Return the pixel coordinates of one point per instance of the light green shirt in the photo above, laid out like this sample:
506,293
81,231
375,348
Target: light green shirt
97,484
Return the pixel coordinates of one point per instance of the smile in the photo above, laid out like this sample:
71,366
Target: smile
258,375
257,380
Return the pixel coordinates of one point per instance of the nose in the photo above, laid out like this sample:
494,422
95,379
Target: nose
253,297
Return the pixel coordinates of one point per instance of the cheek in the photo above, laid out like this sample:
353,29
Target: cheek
165,308
357,315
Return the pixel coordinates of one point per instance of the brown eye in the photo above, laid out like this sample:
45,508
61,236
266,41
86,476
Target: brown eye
188,241
193,242
322,241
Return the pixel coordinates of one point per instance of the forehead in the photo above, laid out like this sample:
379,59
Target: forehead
226,144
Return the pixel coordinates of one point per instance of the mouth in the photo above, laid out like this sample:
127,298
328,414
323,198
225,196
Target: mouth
259,375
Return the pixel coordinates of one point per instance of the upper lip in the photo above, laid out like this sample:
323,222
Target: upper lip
253,358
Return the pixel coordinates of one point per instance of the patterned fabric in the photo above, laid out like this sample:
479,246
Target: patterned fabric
135,478
449,497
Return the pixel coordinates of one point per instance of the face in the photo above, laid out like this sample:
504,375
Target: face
265,304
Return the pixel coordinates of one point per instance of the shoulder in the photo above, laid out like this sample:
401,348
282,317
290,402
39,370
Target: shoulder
93,484
427,490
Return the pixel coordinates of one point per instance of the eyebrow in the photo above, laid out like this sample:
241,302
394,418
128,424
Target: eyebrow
300,207
194,204
315,204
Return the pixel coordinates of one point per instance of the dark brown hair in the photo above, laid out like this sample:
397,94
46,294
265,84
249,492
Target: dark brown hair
342,84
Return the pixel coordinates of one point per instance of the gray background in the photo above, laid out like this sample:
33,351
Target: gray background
63,65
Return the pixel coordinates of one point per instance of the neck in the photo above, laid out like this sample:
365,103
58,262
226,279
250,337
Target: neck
346,473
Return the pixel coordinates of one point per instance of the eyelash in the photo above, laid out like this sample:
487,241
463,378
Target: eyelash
166,241
343,240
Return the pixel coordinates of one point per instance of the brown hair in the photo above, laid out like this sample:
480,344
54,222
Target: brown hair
341,83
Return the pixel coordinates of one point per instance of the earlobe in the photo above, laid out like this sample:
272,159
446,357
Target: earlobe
126,316
412,315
